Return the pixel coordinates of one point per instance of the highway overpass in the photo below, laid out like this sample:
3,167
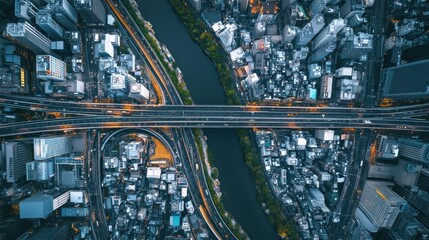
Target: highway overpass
184,121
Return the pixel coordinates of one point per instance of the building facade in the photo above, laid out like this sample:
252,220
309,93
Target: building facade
414,150
309,31
17,154
29,37
50,68
380,206
49,25
358,48
49,147
329,33
92,11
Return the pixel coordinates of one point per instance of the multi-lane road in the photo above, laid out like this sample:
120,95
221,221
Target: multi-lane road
88,115
229,121
85,115
117,109
167,93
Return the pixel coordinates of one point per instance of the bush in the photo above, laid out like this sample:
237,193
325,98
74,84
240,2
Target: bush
215,173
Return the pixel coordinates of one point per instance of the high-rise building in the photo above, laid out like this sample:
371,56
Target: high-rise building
40,170
378,207
420,201
92,11
106,46
17,154
48,147
323,51
317,199
408,228
407,26
68,171
387,148
244,4
326,87
40,206
137,90
60,199
351,8
414,150
359,232
64,13
329,33
358,48
50,68
416,86
45,21
25,9
384,171
309,31
117,82
29,37
289,33
407,172
317,6
355,20
423,180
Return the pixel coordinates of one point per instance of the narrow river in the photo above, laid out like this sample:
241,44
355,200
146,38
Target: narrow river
203,82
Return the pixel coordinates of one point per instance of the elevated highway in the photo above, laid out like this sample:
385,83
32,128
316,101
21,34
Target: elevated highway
116,109
230,121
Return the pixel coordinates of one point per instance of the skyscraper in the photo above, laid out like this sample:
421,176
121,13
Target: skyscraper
309,31
64,13
40,206
358,48
351,8
317,6
407,172
416,83
323,51
414,150
40,170
25,9
29,37
387,148
92,11
244,4
45,21
423,180
329,33
17,155
48,147
408,227
378,207
289,33
50,68
137,90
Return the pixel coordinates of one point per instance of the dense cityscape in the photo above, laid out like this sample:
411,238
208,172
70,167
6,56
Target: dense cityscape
109,130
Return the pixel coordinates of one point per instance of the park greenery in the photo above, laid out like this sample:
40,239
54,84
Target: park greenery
200,33
207,40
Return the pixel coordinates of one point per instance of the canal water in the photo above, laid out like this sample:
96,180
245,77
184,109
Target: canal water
203,82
